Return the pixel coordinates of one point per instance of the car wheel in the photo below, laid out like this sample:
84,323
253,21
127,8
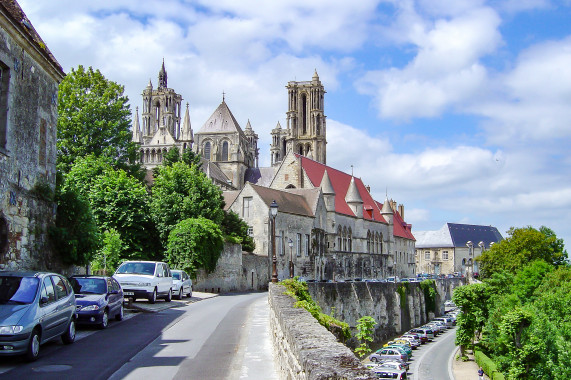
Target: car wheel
153,296
69,335
104,321
374,359
190,294
180,295
33,346
119,315
168,298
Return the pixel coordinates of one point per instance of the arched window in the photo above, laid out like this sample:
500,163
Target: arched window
339,239
300,147
303,114
381,243
225,151
344,238
207,150
350,241
368,241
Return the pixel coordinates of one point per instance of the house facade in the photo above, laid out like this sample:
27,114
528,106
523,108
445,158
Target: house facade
453,248
29,79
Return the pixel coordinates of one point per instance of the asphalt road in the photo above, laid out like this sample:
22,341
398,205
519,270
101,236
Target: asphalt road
219,338
431,360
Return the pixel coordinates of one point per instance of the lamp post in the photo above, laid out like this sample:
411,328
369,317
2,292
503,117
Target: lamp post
290,243
273,213
470,246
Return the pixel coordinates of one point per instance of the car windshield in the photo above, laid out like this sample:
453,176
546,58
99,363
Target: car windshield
18,290
89,285
175,276
137,268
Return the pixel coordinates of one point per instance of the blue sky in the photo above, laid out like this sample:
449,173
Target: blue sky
461,109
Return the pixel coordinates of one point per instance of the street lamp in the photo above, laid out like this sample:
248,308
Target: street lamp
273,213
290,243
470,246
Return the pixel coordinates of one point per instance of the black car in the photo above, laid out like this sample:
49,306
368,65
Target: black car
98,299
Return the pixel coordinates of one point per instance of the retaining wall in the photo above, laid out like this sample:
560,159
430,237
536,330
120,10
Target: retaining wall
303,348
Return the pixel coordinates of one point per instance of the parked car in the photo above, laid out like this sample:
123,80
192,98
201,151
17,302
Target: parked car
393,279
35,307
98,298
447,321
423,339
425,334
405,349
181,284
145,279
388,353
388,373
413,341
449,304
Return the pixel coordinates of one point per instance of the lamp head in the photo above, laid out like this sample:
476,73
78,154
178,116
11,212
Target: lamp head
290,243
274,209
469,243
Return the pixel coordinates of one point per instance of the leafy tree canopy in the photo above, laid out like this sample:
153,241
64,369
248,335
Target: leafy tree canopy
93,118
236,231
182,192
194,243
522,246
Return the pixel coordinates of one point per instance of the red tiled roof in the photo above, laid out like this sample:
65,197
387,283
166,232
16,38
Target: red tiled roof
400,227
340,182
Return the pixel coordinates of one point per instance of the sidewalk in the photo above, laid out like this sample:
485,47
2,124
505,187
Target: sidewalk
160,305
467,370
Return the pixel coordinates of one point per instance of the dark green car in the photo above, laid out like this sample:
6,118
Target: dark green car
35,307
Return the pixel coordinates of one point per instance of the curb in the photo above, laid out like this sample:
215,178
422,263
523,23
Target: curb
146,307
450,363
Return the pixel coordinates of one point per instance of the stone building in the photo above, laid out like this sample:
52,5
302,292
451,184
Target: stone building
453,248
29,79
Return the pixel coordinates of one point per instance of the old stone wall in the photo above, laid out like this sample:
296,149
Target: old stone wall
349,301
304,349
235,271
28,121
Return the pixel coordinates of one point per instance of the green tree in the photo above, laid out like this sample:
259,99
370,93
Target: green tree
182,192
365,329
75,235
472,300
93,118
194,243
107,259
522,246
236,231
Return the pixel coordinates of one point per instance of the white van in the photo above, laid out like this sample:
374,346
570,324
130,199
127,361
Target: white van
145,279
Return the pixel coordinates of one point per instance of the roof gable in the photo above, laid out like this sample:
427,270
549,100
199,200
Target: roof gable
221,121
341,182
287,202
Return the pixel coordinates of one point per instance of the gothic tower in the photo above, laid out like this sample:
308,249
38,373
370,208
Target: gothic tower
306,130
161,108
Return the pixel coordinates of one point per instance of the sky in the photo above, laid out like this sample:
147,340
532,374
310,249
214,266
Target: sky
460,109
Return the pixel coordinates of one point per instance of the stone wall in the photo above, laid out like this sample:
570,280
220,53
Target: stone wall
235,271
304,349
349,301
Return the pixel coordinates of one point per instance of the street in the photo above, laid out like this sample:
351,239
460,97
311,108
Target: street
219,338
431,361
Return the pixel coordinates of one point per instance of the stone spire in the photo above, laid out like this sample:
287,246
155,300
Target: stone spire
137,136
163,76
315,76
326,186
186,133
387,211
353,199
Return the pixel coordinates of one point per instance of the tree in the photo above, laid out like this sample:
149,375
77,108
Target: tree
93,118
188,157
75,235
181,192
522,246
473,302
365,329
236,231
108,257
194,243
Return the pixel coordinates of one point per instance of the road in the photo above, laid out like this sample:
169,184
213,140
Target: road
219,338
432,360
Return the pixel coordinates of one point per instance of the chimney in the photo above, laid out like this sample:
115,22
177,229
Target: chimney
401,211
393,205
368,188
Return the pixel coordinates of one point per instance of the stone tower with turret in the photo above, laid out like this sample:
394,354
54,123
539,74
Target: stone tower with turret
305,132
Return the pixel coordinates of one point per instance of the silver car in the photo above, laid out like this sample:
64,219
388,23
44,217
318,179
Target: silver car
35,307
181,284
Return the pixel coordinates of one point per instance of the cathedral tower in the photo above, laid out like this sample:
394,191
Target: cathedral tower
306,130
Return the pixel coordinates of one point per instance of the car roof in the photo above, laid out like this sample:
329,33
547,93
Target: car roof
25,273
89,276
143,261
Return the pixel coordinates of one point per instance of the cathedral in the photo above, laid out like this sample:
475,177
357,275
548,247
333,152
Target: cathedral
230,154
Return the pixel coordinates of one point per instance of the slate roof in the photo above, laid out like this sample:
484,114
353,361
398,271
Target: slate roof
287,202
462,233
213,171
260,176
229,198
457,235
221,121
340,182
15,12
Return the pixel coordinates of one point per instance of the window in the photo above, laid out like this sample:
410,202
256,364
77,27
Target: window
207,151
339,239
60,288
368,241
350,241
48,290
225,151
247,206
250,231
444,255
427,255
307,244
299,244
4,82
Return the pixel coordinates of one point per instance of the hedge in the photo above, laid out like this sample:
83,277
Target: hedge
488,366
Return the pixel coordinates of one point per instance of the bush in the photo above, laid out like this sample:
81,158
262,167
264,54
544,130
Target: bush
488,365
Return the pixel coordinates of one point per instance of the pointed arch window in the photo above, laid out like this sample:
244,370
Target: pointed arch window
339,239
225,151
207,150
350,240
303,114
